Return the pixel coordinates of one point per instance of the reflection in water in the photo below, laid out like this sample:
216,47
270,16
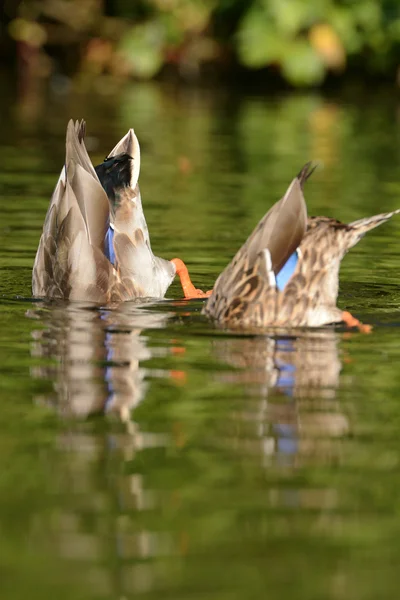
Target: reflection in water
294,379
137,505
95,364
97,356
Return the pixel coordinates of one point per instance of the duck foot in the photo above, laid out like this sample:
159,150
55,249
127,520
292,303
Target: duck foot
189,291
353,322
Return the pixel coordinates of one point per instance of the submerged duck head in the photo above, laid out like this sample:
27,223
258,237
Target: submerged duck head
95,244
286,274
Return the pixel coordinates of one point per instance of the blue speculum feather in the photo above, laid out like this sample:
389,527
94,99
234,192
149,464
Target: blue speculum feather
286,434
109,246
287,371
287,271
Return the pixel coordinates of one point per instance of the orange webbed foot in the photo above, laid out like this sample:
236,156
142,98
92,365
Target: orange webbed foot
201,294
353,322
189,291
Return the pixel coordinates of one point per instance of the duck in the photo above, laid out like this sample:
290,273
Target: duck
95,244
287,272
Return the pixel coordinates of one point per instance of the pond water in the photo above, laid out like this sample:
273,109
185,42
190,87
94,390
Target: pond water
145,453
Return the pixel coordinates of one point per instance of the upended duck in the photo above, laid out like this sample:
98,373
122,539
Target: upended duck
95,244
287,272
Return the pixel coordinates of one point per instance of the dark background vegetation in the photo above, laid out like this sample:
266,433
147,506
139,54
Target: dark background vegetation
298,43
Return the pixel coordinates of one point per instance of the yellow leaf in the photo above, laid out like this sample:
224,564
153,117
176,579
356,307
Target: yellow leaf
328,45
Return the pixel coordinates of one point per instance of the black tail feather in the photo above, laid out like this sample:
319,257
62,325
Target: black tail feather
81,130
306,172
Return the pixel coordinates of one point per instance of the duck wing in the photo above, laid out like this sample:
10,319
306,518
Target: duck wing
250,278
280,230
70,262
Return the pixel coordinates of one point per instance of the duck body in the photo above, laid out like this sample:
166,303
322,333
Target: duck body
252,292
95,244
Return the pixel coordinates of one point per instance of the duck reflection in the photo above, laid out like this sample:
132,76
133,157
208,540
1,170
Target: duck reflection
133,505
96,356
95,364
294,380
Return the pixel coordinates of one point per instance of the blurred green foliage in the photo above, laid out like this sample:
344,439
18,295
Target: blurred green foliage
301,40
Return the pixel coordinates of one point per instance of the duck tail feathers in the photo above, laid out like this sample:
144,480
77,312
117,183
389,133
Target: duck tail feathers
362,226
306,172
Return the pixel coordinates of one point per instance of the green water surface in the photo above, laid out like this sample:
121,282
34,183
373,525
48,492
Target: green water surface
145,454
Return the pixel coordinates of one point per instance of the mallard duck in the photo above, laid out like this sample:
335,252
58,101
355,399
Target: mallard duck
95,244
287,272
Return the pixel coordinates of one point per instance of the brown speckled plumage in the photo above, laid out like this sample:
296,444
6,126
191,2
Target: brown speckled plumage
71,262
245,294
